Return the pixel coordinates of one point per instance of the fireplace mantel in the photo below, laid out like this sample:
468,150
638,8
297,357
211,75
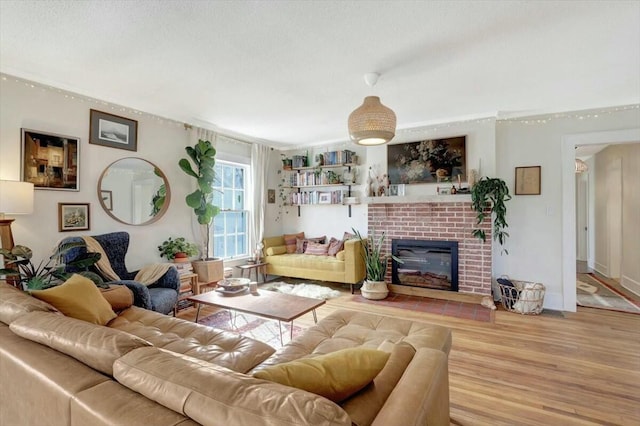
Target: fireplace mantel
410,199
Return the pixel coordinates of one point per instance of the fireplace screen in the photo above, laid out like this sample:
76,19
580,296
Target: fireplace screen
427,264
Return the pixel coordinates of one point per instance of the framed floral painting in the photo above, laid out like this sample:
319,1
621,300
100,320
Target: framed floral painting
428,161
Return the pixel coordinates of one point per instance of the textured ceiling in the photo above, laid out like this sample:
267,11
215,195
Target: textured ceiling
290,72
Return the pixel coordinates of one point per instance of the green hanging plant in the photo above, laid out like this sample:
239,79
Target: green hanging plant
491,193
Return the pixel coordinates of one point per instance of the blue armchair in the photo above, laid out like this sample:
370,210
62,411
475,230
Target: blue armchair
160,296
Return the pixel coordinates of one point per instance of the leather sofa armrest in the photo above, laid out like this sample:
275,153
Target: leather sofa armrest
421,397
354,262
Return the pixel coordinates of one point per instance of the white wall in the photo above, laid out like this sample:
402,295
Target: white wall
160,141
535,221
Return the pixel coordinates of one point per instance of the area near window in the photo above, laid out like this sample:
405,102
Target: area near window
230,226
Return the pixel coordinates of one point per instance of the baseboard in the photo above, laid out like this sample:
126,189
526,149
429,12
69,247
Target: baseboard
601,269
630,284
435,294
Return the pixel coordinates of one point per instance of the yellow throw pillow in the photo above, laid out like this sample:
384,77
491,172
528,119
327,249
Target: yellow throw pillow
274,251
120,297
336,375
79,298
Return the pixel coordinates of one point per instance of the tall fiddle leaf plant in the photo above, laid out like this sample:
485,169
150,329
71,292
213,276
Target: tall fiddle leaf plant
202,156
491,193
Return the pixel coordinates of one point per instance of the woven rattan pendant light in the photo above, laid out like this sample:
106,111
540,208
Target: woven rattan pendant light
372,123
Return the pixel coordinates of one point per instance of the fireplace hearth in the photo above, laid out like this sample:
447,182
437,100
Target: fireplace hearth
426,263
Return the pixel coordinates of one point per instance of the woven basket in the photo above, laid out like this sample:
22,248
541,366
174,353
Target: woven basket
525,297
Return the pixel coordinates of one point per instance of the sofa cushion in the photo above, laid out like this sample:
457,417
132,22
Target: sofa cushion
349,329
230,350
365,405
274,251
335,245
213,395
93,345
290,241
322,263
120,297
335,376
78,297
316,249
15,303
301,244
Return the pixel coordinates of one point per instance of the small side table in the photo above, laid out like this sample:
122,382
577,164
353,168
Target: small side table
257,267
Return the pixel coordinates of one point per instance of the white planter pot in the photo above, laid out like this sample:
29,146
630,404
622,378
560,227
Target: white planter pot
375,290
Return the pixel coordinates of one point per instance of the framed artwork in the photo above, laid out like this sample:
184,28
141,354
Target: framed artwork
50,160
73,217
113,131
324,198
271,196
107,199
528,180
428,161
396,190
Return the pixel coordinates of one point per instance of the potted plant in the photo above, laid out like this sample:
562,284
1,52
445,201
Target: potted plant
46,274
203,156
176,249
374,286
491,193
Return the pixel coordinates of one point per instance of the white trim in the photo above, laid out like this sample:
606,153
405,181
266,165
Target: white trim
569,142
630,284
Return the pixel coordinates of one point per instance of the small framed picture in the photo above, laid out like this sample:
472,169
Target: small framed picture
396,190
50,161
113,131
73,217
271,196
107,199
528,180
324,198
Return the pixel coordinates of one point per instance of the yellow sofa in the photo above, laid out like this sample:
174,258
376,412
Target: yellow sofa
346,267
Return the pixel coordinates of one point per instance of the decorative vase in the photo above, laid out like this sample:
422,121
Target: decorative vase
374,290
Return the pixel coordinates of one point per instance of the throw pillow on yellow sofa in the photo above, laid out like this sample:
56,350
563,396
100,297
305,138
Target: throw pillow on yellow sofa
274,251
336,375
290,241
79,298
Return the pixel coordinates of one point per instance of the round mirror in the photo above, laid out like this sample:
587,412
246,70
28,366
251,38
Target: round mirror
134,191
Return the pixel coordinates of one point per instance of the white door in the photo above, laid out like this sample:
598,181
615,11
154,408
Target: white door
582,216
614,216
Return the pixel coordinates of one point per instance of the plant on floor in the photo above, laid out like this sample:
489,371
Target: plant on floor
201,200
491,193
46,274
375,262
170,248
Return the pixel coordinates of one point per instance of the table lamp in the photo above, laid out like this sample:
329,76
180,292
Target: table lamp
15,198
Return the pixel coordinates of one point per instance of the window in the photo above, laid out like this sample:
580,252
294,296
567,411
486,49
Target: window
230,226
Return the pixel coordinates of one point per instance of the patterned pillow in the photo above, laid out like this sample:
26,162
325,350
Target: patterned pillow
316,249
290,241
335,245
348,236
301,244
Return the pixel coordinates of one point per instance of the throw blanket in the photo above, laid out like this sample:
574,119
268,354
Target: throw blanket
147,275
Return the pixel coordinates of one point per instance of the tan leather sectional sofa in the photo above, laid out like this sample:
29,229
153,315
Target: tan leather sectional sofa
145,368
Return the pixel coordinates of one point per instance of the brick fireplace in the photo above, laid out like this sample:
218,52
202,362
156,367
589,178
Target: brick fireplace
439,221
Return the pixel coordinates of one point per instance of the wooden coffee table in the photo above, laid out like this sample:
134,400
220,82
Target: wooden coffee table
263,303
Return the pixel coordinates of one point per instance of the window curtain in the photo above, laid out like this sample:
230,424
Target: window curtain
199,231
259,169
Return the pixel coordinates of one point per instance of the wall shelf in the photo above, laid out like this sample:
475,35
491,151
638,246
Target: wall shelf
457,198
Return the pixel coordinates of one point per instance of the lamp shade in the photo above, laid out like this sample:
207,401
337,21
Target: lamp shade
581,166
16,197
372,123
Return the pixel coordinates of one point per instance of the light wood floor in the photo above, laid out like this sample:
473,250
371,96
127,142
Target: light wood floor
554,369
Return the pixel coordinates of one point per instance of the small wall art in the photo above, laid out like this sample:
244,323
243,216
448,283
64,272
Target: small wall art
50,161
113,131
528,180
271,196
73,217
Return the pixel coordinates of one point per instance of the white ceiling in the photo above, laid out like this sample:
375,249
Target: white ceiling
290,72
